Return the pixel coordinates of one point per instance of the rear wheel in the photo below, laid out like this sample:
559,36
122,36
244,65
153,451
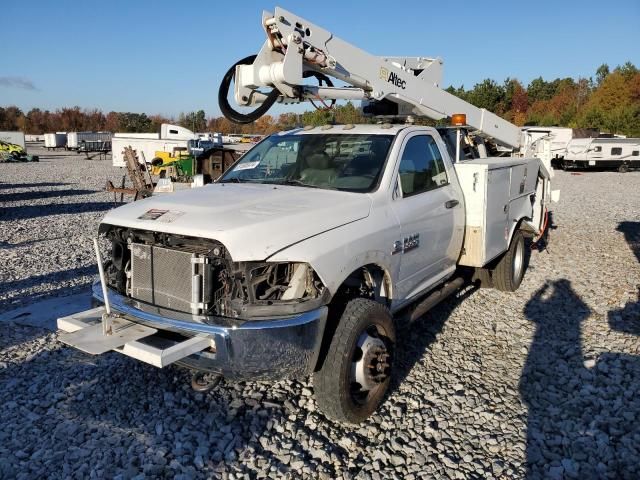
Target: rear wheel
623,168
357,370
509,272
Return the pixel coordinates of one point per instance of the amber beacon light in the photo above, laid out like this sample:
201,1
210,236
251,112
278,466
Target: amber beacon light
458,119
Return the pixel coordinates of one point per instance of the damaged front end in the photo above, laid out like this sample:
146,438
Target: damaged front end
241,320
198,276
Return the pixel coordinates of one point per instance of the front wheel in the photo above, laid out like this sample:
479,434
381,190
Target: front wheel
509,272
357,370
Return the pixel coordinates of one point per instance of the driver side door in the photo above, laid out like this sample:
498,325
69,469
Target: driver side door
429,208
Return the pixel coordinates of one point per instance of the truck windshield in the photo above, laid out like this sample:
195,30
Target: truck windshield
350,162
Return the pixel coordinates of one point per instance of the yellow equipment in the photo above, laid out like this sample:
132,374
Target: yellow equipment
162,160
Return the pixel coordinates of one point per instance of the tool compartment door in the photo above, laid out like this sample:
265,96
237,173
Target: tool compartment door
497,212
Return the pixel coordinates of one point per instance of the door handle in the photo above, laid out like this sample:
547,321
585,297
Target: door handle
451,203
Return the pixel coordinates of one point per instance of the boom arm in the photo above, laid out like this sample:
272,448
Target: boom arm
395,86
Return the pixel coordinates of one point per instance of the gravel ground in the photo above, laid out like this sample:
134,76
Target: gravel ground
543,383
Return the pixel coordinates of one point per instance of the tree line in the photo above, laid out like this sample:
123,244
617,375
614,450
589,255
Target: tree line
609,102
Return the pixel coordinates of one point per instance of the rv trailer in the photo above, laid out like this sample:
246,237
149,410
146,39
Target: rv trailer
619,154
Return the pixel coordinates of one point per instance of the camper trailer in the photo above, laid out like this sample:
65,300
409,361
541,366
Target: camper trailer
610,153
558,139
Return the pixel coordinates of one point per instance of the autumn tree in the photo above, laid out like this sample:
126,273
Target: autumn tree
10,118
611,103
519,104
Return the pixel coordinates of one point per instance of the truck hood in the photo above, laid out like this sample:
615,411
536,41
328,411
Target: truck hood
253,221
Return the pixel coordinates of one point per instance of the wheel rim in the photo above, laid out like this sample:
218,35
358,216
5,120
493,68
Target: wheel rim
518,261
370,364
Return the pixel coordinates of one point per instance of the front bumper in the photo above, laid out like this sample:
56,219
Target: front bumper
265,349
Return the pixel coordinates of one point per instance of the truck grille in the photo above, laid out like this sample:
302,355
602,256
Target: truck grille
169,278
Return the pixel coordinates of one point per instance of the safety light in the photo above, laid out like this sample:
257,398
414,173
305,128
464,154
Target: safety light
458,119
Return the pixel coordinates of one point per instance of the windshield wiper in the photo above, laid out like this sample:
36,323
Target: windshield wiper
232,180
292,181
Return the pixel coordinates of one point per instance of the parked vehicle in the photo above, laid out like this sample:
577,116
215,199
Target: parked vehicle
297,259
621,154
11,152
53,141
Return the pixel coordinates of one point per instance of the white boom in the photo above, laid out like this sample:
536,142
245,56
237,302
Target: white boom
394,86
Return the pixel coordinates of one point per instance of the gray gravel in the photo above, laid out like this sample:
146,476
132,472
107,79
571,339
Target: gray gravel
544,383
49,211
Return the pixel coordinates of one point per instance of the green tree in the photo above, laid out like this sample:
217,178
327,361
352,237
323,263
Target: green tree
539,89
601,73
628,70
194,121
487,94
134,122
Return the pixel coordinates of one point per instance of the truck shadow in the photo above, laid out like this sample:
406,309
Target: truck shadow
627,318
14,290
415,338
582,408
24,212
36,195
631,231
5,186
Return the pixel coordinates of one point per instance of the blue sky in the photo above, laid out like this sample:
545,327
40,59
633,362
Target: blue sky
169,56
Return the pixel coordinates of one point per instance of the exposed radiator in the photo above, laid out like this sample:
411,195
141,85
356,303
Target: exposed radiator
175,279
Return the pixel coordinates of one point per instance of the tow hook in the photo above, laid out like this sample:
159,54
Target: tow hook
205,381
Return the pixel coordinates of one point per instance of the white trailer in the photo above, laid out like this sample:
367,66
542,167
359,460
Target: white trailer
147,144
17,138
75,139
55,140
557,138
610,153
34,138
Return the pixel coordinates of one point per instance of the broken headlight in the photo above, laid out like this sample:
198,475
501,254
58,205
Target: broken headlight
271,282
265,286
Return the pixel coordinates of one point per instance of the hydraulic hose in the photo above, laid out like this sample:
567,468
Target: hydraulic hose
226,108
242,118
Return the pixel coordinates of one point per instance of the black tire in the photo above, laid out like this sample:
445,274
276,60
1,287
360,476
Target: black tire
623,168
509,271
223,91
340,397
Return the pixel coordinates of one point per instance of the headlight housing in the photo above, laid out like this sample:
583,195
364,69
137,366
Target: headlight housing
276,288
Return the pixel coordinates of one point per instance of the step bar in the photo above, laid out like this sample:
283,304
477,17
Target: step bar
85,331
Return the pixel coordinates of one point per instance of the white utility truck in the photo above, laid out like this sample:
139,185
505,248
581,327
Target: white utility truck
297,259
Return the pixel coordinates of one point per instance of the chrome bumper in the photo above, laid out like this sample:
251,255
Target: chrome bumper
257,349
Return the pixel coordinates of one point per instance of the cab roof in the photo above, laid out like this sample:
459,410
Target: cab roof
365,129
